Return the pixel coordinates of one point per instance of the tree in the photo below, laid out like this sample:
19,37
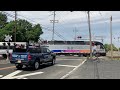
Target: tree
3,20
24,32
108,47
37,31
2,34
114,48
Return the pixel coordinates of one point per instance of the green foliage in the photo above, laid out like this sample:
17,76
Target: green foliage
3,20
108,47
24,30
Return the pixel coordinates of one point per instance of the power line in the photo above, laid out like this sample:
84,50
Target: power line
59,35
102,17
10,15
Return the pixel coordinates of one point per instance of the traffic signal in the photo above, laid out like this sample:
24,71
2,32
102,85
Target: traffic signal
4,44
8,43
14,44
79,37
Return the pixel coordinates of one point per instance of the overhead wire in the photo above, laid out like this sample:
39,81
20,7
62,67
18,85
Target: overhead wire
35,22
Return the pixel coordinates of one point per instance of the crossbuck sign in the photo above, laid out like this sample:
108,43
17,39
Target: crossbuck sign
8,38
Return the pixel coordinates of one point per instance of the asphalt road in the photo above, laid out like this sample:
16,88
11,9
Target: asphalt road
63,66
66,67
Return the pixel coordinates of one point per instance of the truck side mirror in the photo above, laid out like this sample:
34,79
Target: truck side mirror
51,51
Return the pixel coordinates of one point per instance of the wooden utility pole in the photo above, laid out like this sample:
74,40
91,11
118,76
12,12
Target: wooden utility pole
75,30
111,38
15,26
53,21
53,26
90,34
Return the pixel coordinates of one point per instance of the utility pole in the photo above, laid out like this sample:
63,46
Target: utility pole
53,26
75,33
90,34
15,26
53,21
111,37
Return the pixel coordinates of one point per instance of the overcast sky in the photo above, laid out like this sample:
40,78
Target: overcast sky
68,21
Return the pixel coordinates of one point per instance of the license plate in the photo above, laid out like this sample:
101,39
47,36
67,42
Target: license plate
19,61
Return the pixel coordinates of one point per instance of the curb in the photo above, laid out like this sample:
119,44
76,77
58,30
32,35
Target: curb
4,62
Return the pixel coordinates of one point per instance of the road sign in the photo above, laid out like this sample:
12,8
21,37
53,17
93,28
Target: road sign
8,38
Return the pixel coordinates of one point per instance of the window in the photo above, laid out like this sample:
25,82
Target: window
101,47
48,51
71,47
32,50
68,48
39,50
19,50
44,50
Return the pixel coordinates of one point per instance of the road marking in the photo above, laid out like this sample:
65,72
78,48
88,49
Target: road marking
9,76
12,75
21,78
71,59
25,75
24,78
65,65
7,67
1,76
63,77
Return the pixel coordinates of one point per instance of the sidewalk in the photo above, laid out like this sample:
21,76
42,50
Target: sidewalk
3,61
105,69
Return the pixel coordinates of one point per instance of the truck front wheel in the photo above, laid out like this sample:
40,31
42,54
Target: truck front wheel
53,61
19,66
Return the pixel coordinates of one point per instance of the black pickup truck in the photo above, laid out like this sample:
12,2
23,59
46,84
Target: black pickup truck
32,57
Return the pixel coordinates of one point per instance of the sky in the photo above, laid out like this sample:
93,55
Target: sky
68,22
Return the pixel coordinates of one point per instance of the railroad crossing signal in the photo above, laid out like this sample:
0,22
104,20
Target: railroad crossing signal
79,37
8,38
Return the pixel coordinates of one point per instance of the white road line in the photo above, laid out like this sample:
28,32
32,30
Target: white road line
63,77
25,75
1,76
70,59
21,78
24,78
65,65
9,76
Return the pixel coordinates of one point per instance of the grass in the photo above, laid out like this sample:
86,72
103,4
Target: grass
114,57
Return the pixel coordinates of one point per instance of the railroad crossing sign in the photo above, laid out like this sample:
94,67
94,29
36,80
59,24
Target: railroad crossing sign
8,38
